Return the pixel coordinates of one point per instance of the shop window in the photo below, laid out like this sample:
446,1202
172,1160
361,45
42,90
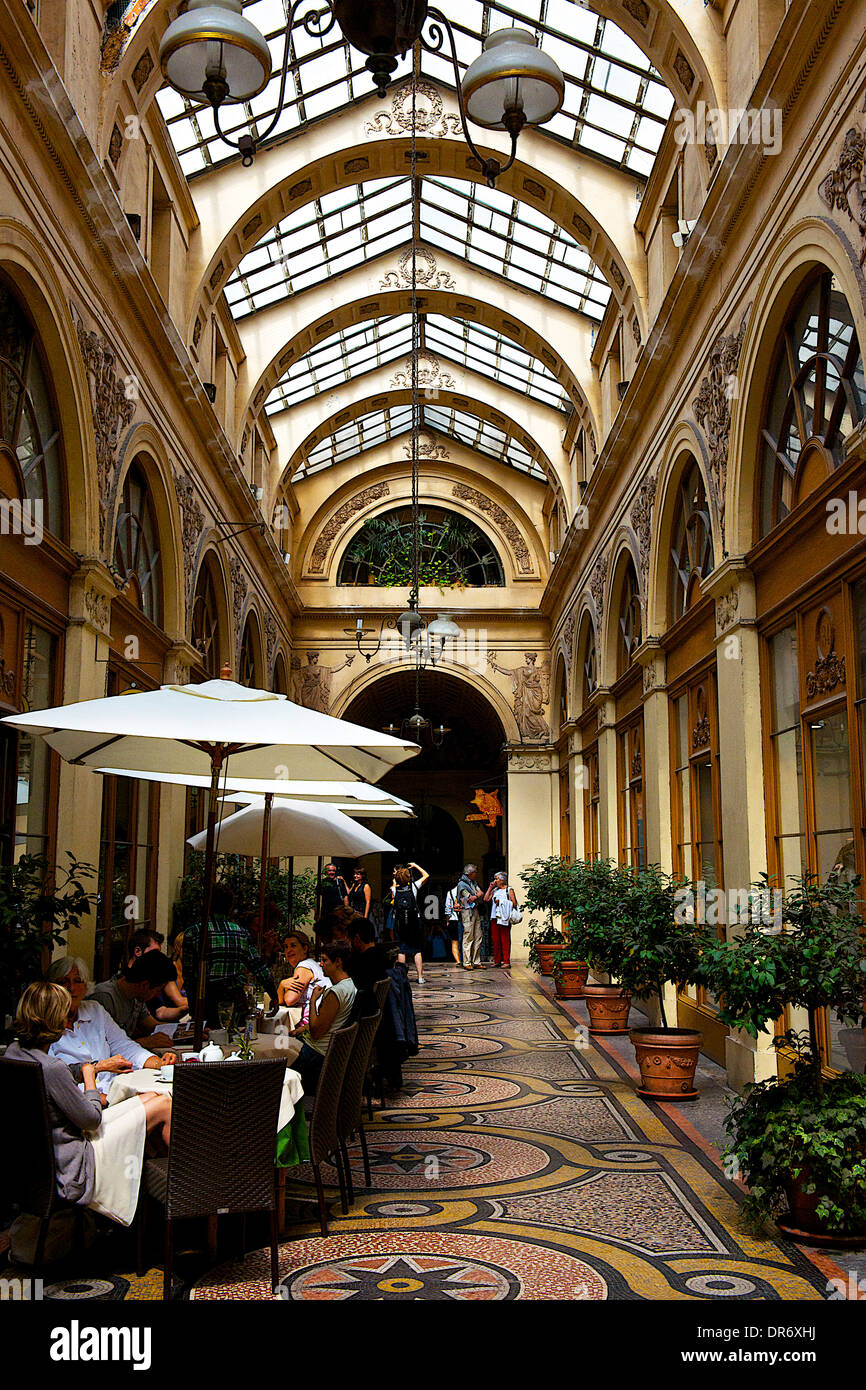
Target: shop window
816,398
136,545
29,426
25,759
691,542
632,845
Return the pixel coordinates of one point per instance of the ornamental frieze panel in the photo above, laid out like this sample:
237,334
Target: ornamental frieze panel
427,272
271,641
431,118
500,517
192,525
844,188
112,400
641,519
597,583
827,673
712,410
727,608
429,447
239,593
340,518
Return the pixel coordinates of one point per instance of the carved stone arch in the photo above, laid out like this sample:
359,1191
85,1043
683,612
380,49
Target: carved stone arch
27,263
211,555
623,552
478,409
814,242
389,303
684,444
338,520
144,445
475,679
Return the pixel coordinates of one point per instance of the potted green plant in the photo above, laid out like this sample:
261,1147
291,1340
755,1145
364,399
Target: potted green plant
595,932
800,1140
569,972
549,890
39,905
660,943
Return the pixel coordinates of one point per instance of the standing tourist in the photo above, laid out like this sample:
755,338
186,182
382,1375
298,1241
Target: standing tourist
407,919
360,895
502,904
453,923
468,897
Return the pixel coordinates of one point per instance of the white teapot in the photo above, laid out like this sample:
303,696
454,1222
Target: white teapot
212,1052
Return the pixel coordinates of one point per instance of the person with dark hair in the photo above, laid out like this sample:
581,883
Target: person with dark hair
127,994
295,990
367,963
360,895
230,954
333,892
330,1008
407,919
173,1004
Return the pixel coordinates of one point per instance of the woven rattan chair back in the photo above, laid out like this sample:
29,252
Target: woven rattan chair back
324,1131
381,989
352,1098
223,1138
27,1165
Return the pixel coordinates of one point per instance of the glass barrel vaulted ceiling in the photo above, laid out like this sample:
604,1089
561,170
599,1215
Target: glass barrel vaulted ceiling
616,107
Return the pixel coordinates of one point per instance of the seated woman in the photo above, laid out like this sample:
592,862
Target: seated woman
92,1147
91,1034
294,992
330,1008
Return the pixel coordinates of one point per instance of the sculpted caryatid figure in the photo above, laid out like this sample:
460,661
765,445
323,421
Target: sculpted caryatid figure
313,682
531,687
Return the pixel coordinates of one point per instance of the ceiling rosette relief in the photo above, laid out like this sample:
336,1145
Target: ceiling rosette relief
431,377
341,518
427,272
431,118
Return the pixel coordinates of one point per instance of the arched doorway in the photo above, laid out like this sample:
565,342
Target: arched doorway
442,783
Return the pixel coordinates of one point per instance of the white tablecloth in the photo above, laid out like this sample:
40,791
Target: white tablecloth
134,1082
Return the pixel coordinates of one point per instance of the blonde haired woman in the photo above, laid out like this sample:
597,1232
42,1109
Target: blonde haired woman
92,1147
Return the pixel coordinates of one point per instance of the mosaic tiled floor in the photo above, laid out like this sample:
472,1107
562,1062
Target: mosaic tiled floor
515,1166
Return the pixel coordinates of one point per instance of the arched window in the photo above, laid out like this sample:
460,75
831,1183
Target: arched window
280,684
249,667
691,542
629,625
136,544
454,551
29,427
817,396
205,620
590,665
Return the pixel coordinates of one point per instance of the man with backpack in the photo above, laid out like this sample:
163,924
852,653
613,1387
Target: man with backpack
406,917
468,895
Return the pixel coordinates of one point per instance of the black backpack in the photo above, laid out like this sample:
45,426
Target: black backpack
405,909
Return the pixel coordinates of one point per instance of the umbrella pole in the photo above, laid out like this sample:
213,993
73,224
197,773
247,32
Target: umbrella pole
266,840
209,871
291,903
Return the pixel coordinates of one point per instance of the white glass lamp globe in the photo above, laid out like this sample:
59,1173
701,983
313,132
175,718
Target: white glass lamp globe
211,52
444,627
512,74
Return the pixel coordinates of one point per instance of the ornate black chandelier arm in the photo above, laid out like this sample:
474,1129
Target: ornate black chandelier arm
514,120
316,26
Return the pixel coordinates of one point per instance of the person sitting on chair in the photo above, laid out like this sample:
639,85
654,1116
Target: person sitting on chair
330,1007
295,990
174,1003
91,1034
127,994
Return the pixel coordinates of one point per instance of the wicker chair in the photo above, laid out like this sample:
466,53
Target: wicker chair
324,1126
381,990
349,1118
27,1173
222,1152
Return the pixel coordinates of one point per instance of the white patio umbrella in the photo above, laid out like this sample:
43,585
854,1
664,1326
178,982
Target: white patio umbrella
297,827
198,729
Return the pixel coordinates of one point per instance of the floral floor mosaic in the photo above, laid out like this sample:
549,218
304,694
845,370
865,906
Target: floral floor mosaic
516,1166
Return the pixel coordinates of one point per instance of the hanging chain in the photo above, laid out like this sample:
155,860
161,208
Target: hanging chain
416,343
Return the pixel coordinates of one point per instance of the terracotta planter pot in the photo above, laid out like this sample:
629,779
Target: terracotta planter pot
570,984
608,1007
667,1058
545,956
802,1223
